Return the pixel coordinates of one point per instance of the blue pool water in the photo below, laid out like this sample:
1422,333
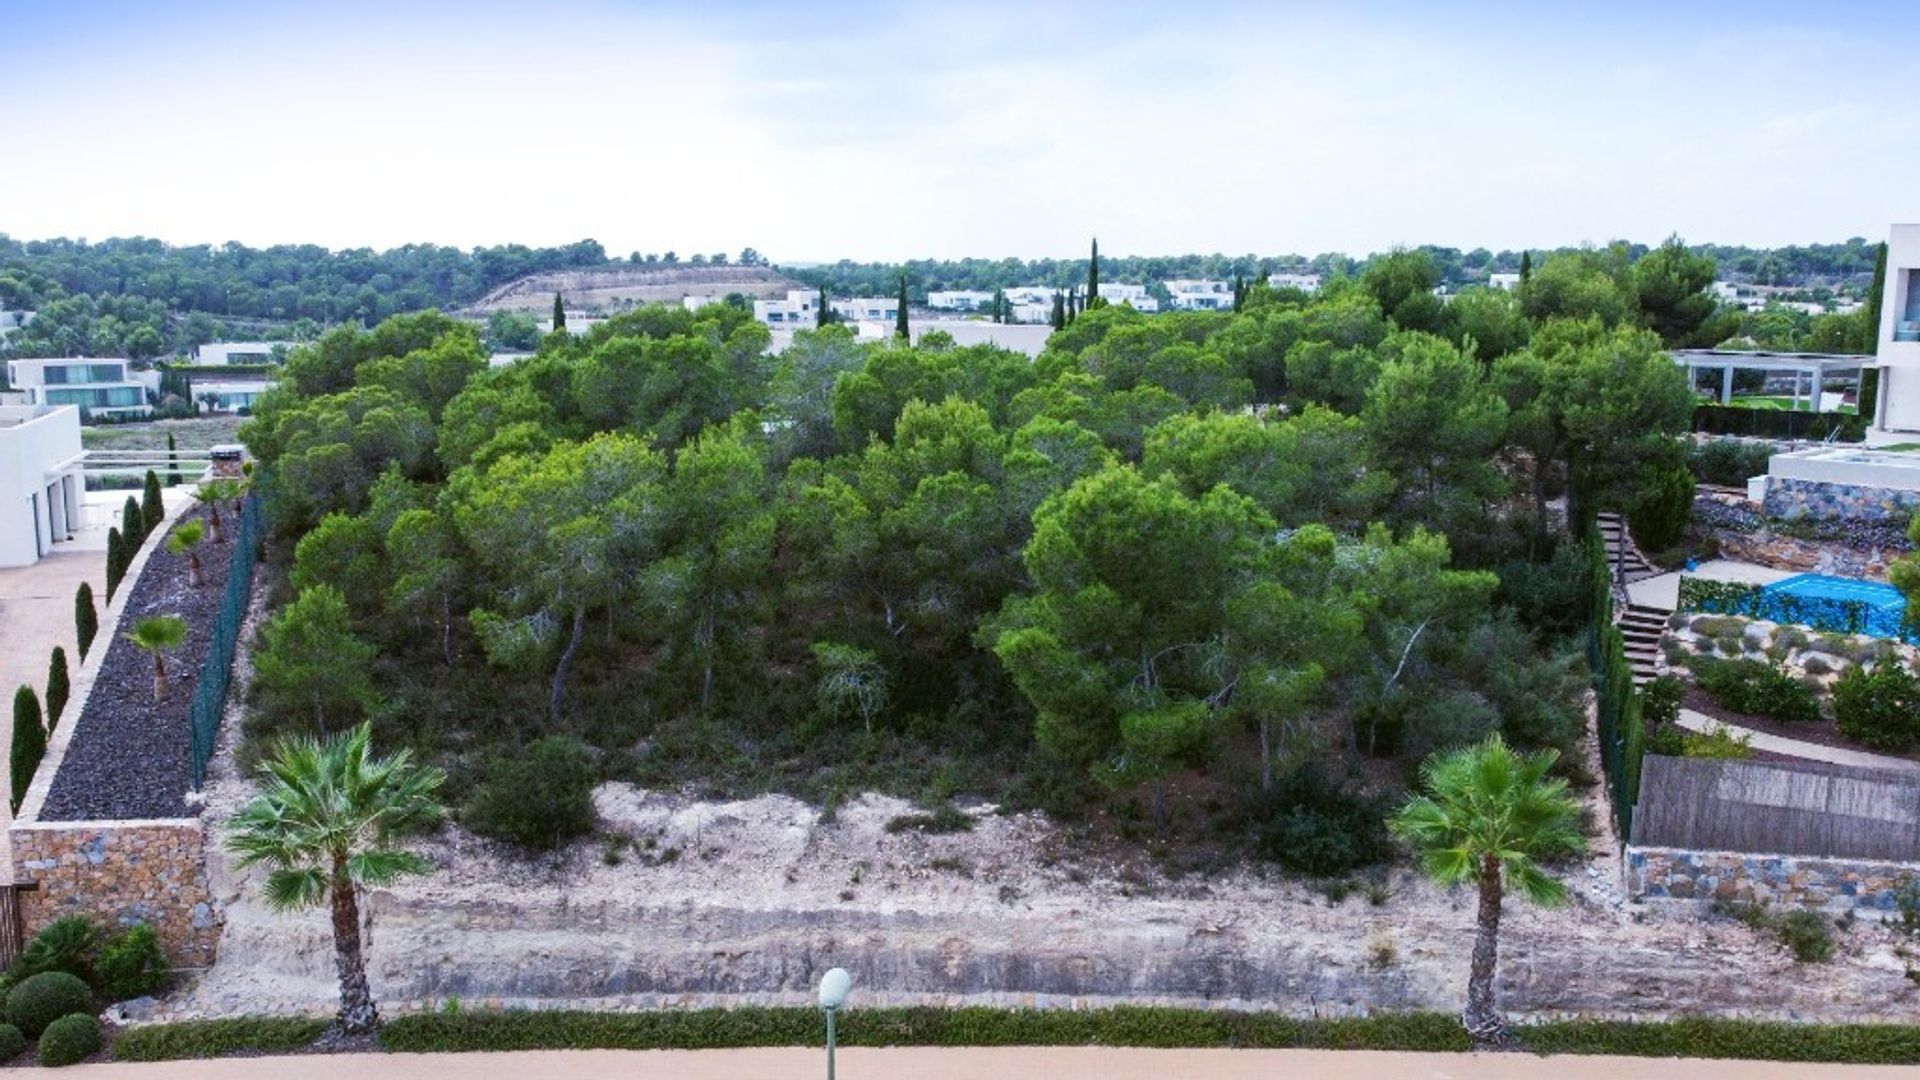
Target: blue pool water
1837,603
1827,587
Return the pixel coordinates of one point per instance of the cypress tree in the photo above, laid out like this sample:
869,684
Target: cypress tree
1876,293
559,313
116,561
1868,399
1073,304
1526,266
152,510
86,618
825,314
900,317
1059,319
173,463
29,743
1093,276
57,686
133,527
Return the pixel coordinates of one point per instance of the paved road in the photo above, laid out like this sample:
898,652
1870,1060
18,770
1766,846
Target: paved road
1779,744
1054,1063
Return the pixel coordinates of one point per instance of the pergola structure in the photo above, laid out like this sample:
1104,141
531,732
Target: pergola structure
1814,368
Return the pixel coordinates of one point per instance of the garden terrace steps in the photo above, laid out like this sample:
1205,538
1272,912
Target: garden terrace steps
1641,627
1624,560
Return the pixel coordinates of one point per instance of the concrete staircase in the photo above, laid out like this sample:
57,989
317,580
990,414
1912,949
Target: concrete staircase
1624,561
1641,627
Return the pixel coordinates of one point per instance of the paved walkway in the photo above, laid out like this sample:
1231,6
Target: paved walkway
980,1063
1664,591
1778,744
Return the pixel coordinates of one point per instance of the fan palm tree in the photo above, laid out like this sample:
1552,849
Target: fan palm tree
156,634
327,822
184,540
210,493
1490,816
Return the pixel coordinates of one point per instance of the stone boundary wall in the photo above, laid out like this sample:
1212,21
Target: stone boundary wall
1790,499
1786,880
115,872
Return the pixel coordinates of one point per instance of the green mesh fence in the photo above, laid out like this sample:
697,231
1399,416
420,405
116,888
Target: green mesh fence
210,696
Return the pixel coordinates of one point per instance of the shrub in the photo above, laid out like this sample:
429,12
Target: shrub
1806,935
62,945
1814,665
1311,824
58,686
1878,707
1718,744
132,964
215,1038
152,510
12,1043
133,528
1660,701
29,744
1716,626
86,618
1728,462
1757,689
1659,518
70,1039
116,561
44,998
947,819
540,799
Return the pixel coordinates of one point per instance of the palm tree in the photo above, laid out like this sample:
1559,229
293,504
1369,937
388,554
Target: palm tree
183,541
157,634
1490,816
326,823
210,493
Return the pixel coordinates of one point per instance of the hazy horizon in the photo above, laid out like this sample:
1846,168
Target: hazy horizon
848,131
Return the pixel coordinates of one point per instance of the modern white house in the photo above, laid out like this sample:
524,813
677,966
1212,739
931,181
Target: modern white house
868,308
1134,296
228,395
101,387
1898,357
40,480
1303,282
238,352
797,311
1197,295
1504,282
959,300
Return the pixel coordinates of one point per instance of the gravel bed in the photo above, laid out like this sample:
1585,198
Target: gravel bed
130,755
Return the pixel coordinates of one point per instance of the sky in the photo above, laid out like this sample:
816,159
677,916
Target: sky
819,131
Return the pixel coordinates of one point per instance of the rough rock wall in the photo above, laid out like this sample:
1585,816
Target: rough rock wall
1791,499
122,873
1670,873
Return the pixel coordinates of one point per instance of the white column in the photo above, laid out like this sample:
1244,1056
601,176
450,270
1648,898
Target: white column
1726,385
1816,389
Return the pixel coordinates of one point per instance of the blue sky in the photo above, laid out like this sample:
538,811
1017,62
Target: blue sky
821,131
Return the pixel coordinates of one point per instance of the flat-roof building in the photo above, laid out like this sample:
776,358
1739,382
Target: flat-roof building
40,480
103,387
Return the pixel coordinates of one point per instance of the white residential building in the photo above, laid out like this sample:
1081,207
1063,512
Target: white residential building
1303,282
40,480
884,309
1192,295
239,352
229,395
797,311
1134,296
101,387
1508,282
1898,359
960,300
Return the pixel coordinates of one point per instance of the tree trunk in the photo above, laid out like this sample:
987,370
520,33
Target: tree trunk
446,628
213,520
1266,755
159,677
357,1014
1482,1018
194,575
560,669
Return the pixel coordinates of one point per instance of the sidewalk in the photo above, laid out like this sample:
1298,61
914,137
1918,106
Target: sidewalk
977,1063
1776,744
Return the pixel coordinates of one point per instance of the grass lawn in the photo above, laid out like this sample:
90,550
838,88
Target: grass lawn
1776,402
196,434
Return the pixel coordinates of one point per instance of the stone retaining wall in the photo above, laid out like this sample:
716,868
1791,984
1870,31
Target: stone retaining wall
1784,880
121,873
1791,499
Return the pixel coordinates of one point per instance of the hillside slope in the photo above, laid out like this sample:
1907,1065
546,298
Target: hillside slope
616,287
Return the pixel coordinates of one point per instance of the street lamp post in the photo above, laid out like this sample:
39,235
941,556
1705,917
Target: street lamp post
833,992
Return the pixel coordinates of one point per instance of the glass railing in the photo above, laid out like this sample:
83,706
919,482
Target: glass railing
1906,330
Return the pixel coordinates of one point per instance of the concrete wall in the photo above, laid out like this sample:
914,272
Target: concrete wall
122,872
1790,499
39,448
1781,880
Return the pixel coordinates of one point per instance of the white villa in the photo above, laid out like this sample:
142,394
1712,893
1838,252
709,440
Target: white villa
237,352
868,309
1505,282
1898,359
1134,296
1192,295
1303,282
40,480
959,300
101,387
795,312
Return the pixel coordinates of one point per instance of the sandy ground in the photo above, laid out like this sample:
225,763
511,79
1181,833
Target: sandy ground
978,1063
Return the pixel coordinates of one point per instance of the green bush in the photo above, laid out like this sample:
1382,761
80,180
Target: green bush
540,799
69,1040
132,964
1659,518
86,618
58,686
44,998
1806,934
1878,708
12,1043
29,744
1757,689
1718,744
216,1038
1728,462
65,944
116,561
1312,824
1660,701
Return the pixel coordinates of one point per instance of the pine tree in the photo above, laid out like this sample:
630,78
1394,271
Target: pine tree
116,561
900,317
86,618
29,743
559,313
152,510
133,527
1059,319
1093,276
58,688
173,463
1526,266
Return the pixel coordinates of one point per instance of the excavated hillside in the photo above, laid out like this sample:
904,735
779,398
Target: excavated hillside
616,288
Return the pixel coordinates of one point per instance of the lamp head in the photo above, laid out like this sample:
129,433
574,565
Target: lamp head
833,988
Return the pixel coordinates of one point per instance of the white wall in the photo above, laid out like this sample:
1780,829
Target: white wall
33,443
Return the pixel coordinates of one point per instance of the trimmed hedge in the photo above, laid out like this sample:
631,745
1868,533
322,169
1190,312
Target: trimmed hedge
12,1043
69,1040
216,1038
44,998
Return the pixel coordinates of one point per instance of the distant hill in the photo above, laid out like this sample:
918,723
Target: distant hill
614,288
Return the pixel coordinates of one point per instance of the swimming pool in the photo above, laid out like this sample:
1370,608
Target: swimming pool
1828,587
1837,603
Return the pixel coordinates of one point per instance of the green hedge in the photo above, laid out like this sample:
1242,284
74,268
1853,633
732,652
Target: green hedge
1617,705
216,1038
707,1029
